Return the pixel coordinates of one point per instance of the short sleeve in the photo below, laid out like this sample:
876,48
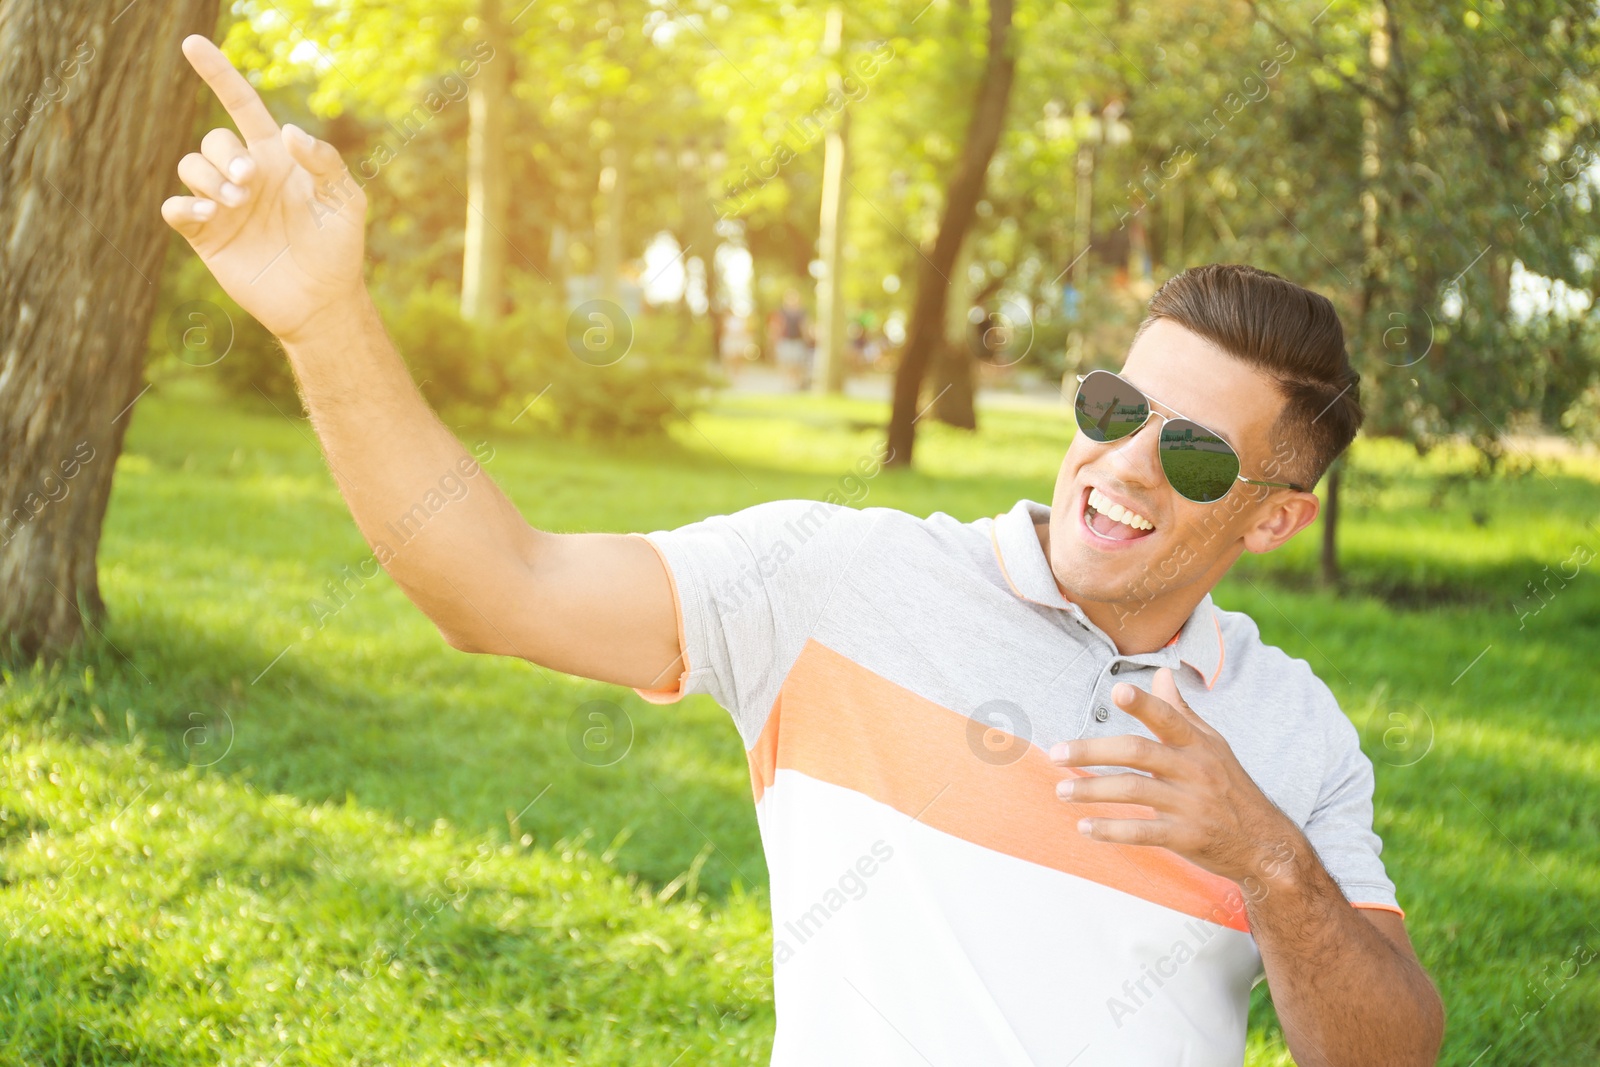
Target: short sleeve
749,589
1340,826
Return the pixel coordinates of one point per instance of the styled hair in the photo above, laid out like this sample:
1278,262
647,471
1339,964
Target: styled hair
1289,333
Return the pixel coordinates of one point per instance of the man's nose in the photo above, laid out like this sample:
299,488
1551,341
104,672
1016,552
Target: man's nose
1137,457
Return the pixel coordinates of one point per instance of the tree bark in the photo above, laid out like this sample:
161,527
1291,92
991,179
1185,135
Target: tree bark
828,376
698,234
1330,524
952,367
1374,270
608,221
96,104
926,328
1172,259
483,266
955,373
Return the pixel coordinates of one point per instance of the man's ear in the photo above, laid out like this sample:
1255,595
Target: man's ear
1286,516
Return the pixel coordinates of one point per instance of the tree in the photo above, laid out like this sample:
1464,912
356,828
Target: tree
830,366
95,105
926,328
488,177
574,142
1451,152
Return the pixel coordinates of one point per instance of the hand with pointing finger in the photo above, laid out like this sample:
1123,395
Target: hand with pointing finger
277,219
1206,807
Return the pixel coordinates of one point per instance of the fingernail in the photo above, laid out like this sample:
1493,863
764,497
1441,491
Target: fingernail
1122,692
231,194
239,169
1064,789
1086,827
1060,752
204,210
301,137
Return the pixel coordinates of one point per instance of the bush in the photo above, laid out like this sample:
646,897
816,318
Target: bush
449,358
659,372
1582,419
638,376
660,379
198,330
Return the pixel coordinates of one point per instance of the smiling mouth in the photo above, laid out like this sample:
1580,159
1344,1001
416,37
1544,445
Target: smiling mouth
1111,521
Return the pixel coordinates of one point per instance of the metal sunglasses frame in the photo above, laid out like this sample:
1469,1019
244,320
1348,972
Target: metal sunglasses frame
1149,403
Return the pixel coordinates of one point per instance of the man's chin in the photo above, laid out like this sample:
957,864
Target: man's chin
1093,582
1086,574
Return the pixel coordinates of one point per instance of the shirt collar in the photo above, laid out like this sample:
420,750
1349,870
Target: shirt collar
1027,571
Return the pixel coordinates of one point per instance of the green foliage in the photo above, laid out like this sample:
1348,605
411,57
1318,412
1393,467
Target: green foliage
523,370
664,378
1583,417
527,369
1420,176
198,329
1262,133
455,363
348,854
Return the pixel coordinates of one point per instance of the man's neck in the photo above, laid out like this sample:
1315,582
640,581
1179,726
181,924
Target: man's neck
1140,626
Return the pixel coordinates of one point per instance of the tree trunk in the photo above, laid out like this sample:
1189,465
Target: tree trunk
1374,271
926,327
1082,238
953,366
955,372
608,222
96,104
830,361
698,234
717,303
483,265
1172,254
1330,525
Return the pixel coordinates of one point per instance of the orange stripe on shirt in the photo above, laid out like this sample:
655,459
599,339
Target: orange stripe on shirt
838,722
1379,907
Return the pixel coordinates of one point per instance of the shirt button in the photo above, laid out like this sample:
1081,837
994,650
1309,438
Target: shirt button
1101,714
1115,667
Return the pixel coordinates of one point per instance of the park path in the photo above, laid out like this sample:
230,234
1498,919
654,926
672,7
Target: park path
765,381
760,380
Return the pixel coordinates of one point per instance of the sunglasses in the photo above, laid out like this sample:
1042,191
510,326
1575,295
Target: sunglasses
1198,463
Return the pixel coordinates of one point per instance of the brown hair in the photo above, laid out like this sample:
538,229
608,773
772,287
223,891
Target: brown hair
1288,332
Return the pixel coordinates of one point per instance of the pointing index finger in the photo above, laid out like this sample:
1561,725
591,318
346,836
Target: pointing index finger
1165,721
240,101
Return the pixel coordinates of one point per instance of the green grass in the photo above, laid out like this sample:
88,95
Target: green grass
241,827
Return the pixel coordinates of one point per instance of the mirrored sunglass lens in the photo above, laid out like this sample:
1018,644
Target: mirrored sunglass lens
1198,463
1108,407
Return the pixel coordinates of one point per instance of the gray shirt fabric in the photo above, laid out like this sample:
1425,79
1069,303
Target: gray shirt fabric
969,616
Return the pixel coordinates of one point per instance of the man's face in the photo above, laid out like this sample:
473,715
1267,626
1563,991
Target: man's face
1097,559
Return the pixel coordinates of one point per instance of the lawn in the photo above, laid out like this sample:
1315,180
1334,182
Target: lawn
269,817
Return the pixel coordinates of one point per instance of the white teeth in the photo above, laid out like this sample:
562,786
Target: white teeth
1117,512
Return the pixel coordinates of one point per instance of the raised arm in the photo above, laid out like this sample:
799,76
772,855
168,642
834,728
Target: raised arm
278,220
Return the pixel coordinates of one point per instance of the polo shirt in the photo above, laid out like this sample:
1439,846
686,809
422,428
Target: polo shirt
897,682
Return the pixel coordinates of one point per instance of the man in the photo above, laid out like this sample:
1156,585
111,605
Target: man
1026,795
791,337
